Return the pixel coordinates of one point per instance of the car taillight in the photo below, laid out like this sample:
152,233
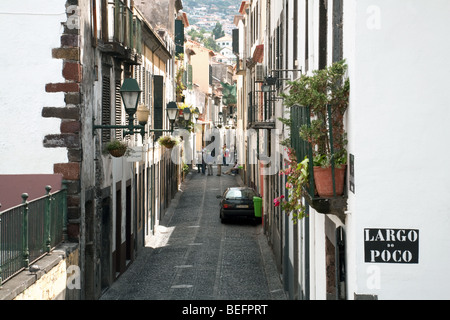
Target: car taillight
227,206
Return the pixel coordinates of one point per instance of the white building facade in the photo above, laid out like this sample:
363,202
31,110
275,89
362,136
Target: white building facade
391,240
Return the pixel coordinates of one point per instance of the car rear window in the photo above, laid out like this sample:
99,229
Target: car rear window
240,194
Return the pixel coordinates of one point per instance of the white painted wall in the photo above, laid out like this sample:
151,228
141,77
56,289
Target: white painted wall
29,29
397,52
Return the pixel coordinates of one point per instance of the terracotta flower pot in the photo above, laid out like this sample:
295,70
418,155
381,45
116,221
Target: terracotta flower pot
324,182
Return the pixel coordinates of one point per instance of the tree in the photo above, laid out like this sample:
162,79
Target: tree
196,35
211,44
229,94
218,31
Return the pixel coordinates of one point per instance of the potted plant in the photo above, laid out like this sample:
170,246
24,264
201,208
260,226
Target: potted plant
326,93
116,148
168,141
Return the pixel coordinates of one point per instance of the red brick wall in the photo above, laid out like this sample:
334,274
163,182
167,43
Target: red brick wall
70,128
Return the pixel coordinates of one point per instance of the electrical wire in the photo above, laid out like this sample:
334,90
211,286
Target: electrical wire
31,14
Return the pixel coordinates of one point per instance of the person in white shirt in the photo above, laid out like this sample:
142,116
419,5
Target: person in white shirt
233,170
209,162
199,161
226,154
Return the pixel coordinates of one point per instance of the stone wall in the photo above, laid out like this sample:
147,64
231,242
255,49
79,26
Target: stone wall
58,278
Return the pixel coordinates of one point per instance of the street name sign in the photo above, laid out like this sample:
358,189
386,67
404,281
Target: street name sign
391,246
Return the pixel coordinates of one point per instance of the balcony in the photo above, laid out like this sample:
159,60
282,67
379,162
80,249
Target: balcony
122,37
261,110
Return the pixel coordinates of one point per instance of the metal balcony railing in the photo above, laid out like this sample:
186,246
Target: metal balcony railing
260,108
30,230
301,116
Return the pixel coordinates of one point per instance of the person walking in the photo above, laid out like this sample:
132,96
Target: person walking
209,163
199,161
204,161
226,154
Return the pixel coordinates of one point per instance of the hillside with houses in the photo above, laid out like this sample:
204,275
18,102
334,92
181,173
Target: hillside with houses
204,14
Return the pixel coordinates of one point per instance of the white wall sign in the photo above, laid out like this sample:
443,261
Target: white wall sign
135,154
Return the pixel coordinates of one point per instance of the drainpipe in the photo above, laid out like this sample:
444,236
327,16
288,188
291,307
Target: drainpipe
307,267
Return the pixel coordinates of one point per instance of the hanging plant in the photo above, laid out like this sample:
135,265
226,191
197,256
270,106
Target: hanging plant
116,148
168,141
296,178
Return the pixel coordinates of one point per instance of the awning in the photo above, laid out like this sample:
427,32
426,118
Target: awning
258,54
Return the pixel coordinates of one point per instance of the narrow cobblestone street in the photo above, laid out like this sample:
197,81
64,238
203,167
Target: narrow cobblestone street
194,256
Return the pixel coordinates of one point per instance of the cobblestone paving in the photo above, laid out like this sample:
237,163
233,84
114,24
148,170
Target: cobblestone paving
193,256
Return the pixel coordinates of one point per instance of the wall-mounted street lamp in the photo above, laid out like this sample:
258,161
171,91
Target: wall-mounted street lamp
172,113
187,114
130,93
270,80
266,88
196,113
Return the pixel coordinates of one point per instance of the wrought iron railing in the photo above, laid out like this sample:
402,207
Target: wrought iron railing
30,230
260,107
301,116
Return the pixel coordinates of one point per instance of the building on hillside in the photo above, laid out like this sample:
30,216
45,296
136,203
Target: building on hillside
228,55
225,41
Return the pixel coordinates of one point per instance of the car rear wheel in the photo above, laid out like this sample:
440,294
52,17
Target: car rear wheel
222,218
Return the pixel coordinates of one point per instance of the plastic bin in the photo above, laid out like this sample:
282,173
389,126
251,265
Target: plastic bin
257,203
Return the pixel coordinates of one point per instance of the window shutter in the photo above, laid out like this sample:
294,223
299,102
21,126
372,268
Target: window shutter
150,97
210,75
118,110
158,96
106,107
236,41
179,36
189,77
323,35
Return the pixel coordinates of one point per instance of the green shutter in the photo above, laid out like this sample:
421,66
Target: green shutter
179,36
189,77
158,96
